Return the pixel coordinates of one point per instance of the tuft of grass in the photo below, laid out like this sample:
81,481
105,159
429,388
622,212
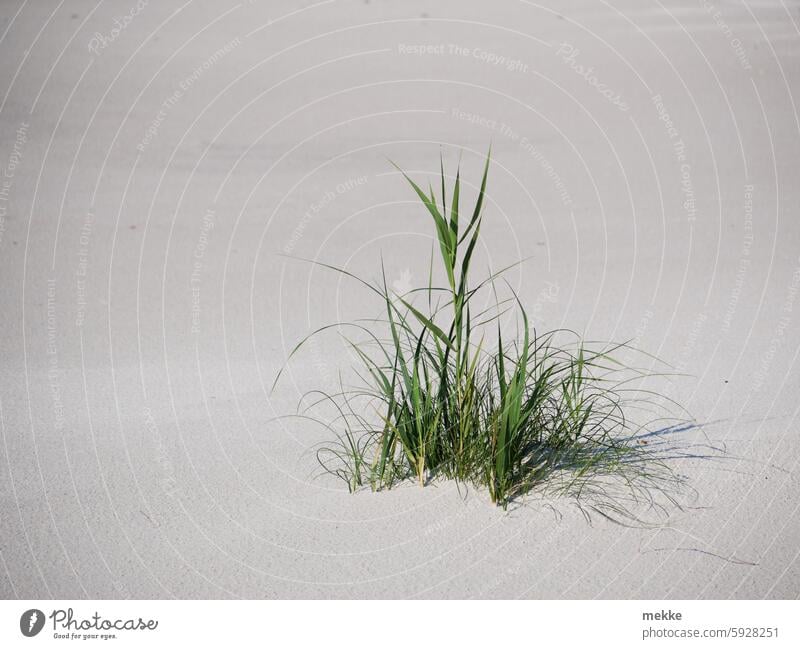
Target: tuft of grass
444,391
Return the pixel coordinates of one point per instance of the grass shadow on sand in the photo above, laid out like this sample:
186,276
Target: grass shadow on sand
444,391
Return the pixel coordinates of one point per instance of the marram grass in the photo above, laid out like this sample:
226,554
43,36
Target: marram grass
445,392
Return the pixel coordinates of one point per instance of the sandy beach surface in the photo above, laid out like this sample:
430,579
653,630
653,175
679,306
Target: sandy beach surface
160,161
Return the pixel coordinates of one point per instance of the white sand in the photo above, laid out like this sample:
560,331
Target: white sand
138,459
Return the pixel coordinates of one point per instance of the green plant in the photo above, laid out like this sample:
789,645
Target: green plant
536,411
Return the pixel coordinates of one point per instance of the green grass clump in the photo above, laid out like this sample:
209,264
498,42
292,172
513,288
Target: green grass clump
530,411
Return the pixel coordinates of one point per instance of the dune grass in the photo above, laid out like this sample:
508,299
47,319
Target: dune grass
445,391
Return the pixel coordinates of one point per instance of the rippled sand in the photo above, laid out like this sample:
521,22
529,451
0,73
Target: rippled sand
158,170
